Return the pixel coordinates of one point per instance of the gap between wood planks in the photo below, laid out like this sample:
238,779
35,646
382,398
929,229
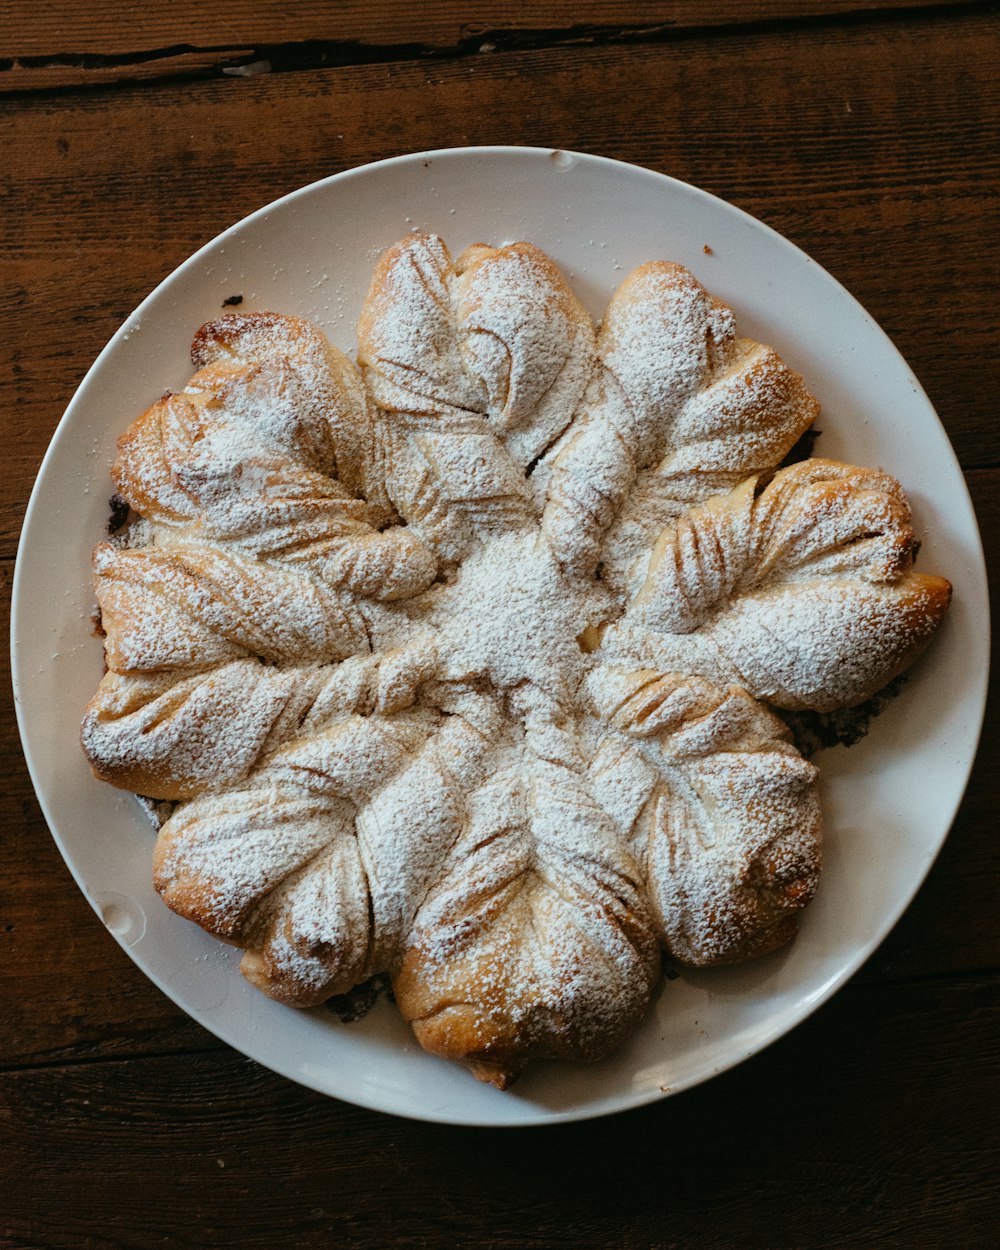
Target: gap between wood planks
186,62
211,1047
950,982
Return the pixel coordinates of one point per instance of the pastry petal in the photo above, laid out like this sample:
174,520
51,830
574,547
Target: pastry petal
679,409
477,366
804,591
718,806
537,940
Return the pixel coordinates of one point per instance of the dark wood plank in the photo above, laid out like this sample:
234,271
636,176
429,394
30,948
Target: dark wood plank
64,44
790,1150
105,198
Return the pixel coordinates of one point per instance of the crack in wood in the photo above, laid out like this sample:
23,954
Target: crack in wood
216,60
212,1045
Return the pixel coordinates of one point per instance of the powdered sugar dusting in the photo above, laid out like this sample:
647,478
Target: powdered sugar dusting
451,664
679,410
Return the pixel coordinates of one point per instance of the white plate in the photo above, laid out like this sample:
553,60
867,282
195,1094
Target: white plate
888,802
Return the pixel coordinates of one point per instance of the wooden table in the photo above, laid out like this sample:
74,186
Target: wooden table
868,133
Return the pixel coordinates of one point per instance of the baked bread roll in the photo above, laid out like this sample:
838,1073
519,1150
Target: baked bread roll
456,663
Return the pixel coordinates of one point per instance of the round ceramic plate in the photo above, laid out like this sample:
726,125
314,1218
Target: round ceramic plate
888,802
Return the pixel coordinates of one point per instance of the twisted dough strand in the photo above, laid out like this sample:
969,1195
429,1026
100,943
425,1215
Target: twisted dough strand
679,409
375,798
477,365
536,939
725,819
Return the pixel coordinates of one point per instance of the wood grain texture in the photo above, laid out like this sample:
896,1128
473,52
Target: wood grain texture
61,44
105,198
789,1150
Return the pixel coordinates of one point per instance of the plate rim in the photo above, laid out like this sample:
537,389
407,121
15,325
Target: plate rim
534,1114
